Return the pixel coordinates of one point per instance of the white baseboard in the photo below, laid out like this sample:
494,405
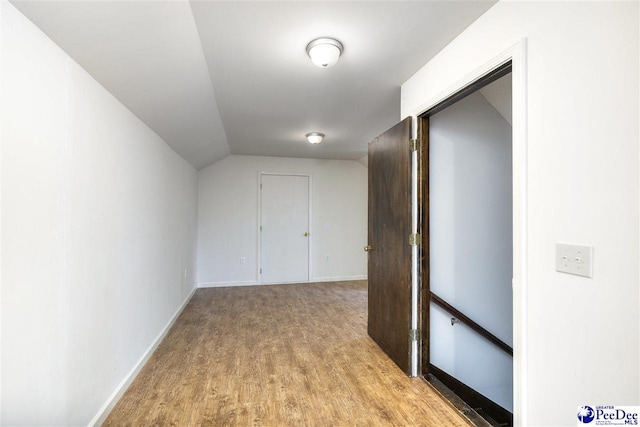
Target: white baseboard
338,278
104,412
234,284
225,284
254,283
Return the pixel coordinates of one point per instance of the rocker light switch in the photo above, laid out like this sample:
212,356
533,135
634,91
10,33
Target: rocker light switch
574,259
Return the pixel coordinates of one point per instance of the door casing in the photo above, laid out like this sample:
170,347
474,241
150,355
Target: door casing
516,55
423,135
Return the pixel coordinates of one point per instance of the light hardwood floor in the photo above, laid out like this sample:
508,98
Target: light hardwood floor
283,355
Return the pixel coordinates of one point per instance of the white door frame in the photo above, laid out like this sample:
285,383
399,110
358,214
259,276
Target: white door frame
517,55
259,222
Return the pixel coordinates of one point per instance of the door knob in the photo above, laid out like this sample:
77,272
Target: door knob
306,234
368,248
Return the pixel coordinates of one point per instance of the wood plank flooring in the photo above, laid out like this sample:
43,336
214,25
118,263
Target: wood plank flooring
283,355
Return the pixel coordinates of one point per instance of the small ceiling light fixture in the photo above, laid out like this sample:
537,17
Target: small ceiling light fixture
324,52
315,137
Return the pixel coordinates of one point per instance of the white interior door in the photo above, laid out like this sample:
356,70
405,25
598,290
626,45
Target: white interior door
284,228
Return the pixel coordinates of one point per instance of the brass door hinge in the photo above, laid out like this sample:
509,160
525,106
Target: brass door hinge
414,334
414,239
413,145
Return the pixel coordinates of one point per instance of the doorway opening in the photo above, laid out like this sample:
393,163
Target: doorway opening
467,246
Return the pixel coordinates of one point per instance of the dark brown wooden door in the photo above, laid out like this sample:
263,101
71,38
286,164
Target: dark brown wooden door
390,255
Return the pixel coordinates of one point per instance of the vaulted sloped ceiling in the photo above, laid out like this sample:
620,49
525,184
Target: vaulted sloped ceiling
219,77
499,95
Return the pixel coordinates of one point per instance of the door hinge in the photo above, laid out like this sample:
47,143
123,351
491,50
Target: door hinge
413,145
260,271
414,334
414,239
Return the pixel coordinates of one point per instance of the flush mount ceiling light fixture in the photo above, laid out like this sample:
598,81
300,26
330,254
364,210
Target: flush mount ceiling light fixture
315,137
324,52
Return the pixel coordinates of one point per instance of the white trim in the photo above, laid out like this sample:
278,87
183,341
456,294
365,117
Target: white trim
226,284
255,283
105,410
259,222
467,80
415,262
3,4
338,278
310,252
517,54
520,236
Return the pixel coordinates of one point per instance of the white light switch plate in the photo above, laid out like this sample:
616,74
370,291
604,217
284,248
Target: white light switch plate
574,259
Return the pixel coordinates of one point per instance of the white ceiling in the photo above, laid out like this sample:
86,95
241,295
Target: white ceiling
219,77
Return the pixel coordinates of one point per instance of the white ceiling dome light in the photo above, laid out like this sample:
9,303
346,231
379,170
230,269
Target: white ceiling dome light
324,52
315,137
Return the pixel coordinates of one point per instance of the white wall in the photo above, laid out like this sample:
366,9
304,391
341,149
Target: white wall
582,133
98,234
228,218
470,219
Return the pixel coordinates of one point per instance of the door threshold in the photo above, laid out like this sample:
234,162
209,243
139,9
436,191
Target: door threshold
457,403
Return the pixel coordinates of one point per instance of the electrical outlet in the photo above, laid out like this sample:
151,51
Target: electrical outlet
574,259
